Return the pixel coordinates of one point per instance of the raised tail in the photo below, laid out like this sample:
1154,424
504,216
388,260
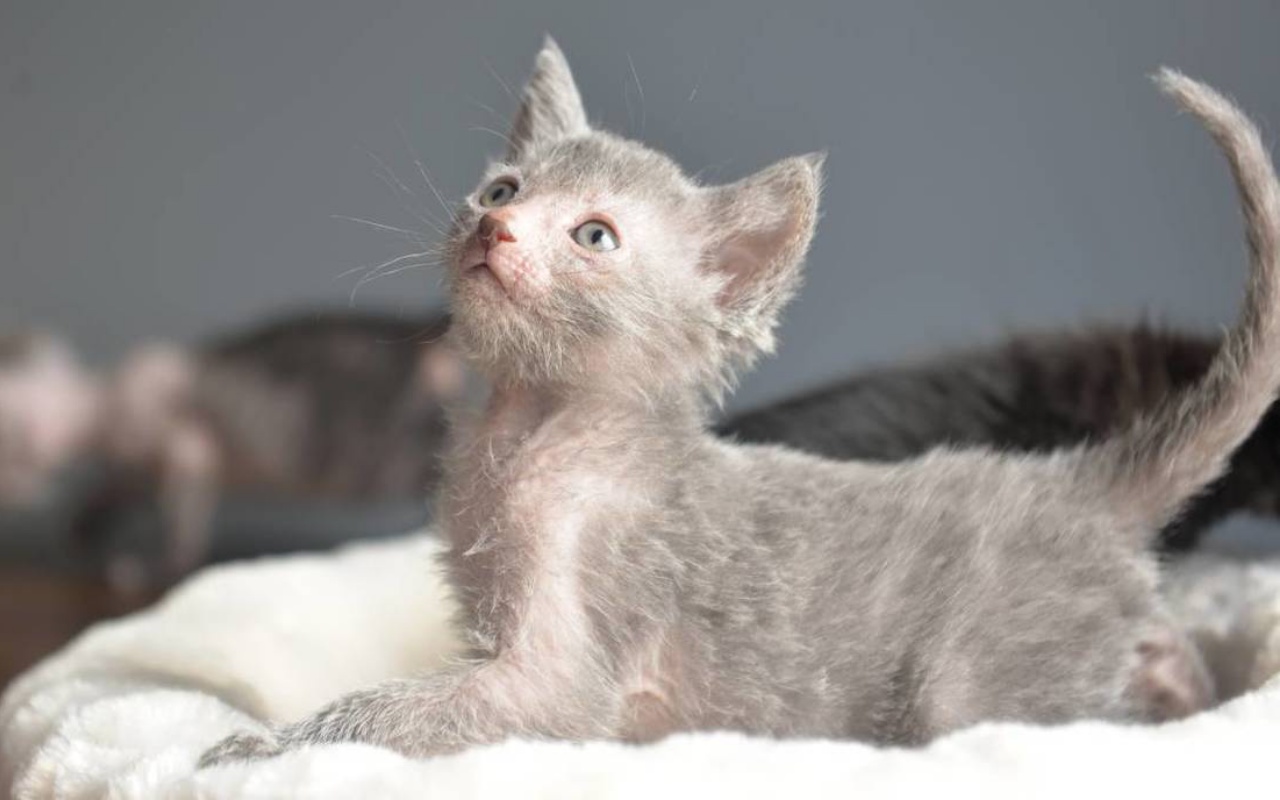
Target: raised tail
1152,469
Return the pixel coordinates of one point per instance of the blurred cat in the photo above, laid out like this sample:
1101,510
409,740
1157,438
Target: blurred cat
339,406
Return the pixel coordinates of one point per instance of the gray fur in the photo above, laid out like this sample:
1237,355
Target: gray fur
626,575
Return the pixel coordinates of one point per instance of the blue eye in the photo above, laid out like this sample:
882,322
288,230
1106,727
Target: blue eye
596,235
498,193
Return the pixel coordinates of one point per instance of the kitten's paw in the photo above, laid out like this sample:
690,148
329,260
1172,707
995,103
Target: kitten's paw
241,747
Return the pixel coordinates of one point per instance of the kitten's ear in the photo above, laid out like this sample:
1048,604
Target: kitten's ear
760,229
551,108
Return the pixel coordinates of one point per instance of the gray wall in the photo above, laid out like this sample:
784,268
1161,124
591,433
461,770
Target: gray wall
171,169
168,169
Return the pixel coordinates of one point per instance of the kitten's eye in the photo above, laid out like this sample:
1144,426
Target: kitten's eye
595,235
498,193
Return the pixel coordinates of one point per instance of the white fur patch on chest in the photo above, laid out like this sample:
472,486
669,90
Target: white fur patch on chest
546,489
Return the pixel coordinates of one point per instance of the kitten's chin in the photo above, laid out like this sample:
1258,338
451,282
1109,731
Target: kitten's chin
481,278
501,339
480,302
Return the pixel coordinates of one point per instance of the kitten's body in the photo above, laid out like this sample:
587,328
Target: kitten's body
739,563
624,574
1030,393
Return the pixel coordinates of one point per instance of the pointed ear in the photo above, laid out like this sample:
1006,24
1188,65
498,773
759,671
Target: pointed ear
760,229
551,108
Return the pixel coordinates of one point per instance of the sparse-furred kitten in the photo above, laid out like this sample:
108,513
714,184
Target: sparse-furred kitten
1030,393
314,406
625,574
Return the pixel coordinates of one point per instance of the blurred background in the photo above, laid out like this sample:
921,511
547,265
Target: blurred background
174,171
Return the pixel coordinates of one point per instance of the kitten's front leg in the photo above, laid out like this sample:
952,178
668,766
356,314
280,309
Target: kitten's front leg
443,713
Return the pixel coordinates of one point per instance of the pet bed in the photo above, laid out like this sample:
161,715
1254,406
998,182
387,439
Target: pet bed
125,710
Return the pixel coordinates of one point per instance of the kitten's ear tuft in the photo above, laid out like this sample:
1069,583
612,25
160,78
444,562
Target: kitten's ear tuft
760,229
551,108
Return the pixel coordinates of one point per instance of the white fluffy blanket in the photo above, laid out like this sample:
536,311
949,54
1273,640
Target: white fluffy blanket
125,710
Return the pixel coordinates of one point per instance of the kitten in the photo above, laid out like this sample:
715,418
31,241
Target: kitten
626,575
315,406
1031,393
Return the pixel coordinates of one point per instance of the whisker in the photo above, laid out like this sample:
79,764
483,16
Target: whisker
417,212
488,108
368,268
367,279
626,101
417,162
639,89
499,79
390,173
398,188
504,137
413,236
349,272
404,268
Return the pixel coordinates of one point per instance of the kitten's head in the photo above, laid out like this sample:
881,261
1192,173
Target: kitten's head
583,258
46,409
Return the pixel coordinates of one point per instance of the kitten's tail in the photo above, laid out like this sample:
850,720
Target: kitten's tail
1151,470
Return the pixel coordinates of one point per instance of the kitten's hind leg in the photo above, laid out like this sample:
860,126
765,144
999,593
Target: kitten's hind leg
1171,680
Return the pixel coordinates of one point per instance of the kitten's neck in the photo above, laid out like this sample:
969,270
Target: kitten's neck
518,410
528,480
531,441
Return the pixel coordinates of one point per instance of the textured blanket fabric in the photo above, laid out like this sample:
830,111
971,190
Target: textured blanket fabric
125,710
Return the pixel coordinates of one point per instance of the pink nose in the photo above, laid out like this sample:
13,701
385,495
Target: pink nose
493,229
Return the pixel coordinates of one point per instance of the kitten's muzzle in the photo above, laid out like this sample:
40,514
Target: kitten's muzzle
504,265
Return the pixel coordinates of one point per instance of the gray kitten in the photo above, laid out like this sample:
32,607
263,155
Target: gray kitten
626,575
